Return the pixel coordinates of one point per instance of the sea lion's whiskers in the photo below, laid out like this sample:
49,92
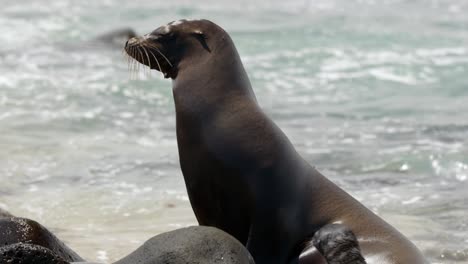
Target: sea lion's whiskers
134,63
130,61
124,51
152,54
128,57
125,54
159,51
141,57
156,59
144,48
149,60
129,65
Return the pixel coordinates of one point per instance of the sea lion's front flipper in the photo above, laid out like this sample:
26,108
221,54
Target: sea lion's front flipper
338,244
331,244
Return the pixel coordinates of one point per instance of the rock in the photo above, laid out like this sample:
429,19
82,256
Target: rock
192,245
23,253
16,232
85,262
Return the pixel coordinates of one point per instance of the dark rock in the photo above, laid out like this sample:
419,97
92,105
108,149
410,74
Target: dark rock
14,230
192,245
22,253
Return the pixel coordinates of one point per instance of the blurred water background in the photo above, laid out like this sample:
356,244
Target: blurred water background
374,93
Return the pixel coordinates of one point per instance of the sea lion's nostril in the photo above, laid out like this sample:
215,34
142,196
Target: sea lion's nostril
132,41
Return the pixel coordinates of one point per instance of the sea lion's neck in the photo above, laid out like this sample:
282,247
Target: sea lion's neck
207,79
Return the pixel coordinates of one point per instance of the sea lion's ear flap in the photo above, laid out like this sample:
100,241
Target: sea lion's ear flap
202,38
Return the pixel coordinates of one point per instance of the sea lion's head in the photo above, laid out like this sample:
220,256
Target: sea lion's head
169,46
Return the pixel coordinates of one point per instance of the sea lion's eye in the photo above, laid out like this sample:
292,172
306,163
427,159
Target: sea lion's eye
164,31
199,33
201,37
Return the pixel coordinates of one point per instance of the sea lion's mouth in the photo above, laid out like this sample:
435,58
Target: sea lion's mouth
144,51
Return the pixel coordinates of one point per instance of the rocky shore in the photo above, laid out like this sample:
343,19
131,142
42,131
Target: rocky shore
24,241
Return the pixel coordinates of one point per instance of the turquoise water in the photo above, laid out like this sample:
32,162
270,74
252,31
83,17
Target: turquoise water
374,93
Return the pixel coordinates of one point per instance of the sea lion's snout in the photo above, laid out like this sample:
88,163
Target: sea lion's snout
133,41
148,51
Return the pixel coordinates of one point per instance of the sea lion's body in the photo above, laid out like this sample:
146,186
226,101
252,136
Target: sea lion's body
242,173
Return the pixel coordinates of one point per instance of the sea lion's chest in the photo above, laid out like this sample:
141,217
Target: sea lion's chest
217,192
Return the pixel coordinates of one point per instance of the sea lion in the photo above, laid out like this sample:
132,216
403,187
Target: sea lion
242,173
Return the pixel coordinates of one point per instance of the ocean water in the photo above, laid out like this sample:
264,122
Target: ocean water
373,93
